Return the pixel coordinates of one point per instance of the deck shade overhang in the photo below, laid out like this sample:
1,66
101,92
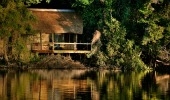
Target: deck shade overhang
57,21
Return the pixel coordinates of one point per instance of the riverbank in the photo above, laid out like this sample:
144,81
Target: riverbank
63,62
60,62
54,62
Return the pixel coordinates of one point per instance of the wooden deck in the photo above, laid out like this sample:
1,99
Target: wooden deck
50,48
61,51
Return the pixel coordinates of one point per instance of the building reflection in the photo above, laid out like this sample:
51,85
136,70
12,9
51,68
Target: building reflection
57,85
81,85
46,85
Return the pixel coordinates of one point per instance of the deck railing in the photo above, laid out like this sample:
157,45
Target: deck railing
57,47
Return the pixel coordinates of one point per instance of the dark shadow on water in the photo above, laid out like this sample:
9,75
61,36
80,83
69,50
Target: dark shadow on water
149,82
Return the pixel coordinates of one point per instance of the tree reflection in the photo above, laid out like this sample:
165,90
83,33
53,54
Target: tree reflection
120,85
83,85
155,86
149,83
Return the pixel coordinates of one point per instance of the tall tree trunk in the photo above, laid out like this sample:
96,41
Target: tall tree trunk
5,49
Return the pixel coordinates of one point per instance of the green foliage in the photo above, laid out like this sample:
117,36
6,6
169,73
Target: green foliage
153,31
82,3
27,2
15,23
116,49
134,33
34,58
120,51
35,1
15,18
155,22
152,34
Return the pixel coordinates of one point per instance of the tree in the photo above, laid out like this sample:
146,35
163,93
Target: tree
15,23
116,49
133,33
35,1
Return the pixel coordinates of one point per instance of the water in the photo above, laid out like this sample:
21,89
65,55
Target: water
83,85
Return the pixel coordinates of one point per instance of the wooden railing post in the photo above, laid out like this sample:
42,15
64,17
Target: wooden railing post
53,42
75,46
41,40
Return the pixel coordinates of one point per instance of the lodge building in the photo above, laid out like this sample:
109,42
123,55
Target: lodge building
58,32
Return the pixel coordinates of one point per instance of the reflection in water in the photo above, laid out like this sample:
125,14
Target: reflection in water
83,85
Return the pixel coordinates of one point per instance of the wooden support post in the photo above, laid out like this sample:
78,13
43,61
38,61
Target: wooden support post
41,40
75,45
53,42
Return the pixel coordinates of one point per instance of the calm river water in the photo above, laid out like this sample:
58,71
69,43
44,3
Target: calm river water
83,85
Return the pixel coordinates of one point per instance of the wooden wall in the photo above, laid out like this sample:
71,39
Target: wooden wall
41,41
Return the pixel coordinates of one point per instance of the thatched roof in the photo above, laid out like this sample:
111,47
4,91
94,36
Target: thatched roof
57,21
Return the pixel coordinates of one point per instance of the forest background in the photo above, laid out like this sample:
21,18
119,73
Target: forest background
135,34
